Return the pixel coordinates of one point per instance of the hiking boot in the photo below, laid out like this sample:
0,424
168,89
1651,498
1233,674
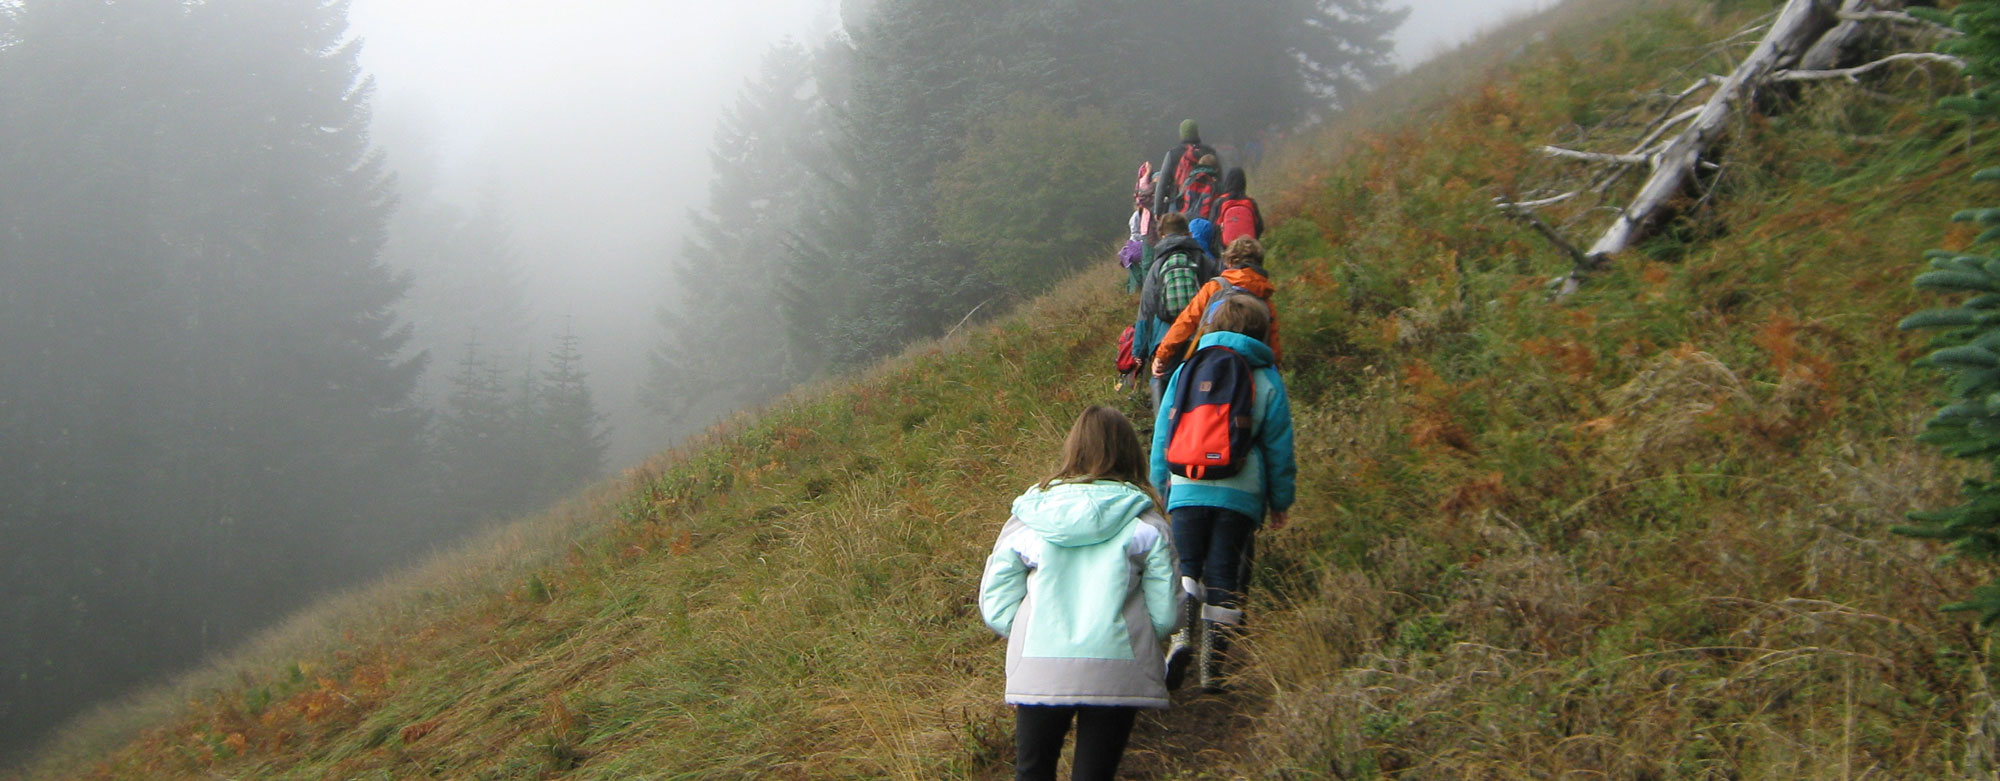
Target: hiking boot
1208,656
1219,627
1180,651
1181,648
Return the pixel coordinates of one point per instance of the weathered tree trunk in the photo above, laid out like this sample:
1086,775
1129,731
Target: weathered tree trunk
1805,43
1799,25
1827,52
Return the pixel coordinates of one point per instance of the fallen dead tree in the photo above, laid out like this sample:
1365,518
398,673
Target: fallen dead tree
1805,42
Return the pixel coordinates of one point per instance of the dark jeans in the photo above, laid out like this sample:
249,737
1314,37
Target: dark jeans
1214,544
1101,732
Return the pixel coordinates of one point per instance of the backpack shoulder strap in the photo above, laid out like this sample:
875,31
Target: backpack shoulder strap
1223,290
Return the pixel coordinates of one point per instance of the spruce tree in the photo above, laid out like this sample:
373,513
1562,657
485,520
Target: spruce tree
465,279
477,448
206,415
568,436
1967,346
717,345
937,146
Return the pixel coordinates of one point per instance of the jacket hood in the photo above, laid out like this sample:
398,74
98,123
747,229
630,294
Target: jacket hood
1250,278
1073,515
1252,350
1171,244
1234,182
1205,233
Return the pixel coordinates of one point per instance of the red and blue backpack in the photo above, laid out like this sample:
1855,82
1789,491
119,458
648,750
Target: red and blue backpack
1210,416
1198,194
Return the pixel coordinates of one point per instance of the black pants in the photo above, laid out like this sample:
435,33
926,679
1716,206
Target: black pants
1215,545
1101,732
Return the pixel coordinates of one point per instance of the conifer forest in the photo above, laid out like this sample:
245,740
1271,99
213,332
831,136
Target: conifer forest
252,359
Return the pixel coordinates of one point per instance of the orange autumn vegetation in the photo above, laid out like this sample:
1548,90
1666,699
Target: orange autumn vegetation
1642,533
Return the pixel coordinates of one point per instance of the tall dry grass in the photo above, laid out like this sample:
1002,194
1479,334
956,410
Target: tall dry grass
1643,534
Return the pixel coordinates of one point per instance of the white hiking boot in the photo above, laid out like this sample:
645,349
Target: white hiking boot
1219,626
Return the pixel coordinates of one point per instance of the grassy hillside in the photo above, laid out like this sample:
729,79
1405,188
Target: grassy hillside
1641,534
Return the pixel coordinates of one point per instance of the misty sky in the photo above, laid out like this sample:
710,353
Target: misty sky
591,121
1434,25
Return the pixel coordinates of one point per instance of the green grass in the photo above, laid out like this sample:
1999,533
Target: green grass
1639,534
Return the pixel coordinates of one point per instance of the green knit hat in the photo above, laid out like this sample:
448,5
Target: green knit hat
1189,132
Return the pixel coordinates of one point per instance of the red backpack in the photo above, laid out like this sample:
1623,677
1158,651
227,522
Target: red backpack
1210,417
1198,195
1126,361
1190,157
1237,217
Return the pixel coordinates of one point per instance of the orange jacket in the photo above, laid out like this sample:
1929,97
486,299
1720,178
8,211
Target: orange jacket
1179,342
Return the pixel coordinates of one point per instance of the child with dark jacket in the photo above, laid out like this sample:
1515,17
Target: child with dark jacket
1236,213
1179,269
1214,520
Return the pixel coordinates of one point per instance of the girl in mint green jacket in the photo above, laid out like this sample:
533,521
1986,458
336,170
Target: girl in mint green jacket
1082,585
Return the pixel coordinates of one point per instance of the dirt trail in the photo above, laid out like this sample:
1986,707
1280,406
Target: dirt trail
1200,732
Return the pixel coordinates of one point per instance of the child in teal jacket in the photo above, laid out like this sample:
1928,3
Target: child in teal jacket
1214,521
1081,583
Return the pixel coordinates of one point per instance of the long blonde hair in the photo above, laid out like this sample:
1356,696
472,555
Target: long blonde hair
1102,446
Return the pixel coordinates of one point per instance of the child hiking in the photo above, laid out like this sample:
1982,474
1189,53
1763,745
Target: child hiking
1180,267
1242,273
1235,439
1235,211
1137,253
1081,583
1198,194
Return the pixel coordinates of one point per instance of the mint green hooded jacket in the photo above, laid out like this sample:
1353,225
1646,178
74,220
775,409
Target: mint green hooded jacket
1082,585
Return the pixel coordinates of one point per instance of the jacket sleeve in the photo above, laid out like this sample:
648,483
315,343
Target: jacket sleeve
1173,346
1258,215
1004,585
1161,585
1162,479
1280,470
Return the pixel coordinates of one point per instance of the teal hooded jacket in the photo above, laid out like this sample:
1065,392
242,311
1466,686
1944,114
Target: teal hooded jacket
1082,584
1269,475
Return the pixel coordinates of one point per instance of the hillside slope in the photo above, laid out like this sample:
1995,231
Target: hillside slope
1641,534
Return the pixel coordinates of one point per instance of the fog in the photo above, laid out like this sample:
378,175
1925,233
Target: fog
591,123
1435,26
211,415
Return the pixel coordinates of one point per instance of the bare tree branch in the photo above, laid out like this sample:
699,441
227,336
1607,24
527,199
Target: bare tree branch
1803,43
1898,17
1519,211
1536,204
1596,157
1798,26
1852,73
1660,128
